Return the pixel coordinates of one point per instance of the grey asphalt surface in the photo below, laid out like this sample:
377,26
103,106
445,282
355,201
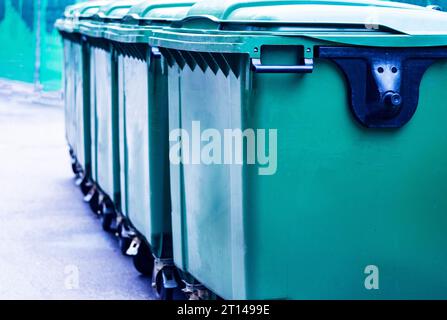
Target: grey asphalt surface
51,245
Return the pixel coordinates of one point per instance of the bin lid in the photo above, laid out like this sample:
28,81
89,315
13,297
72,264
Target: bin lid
356,22
62,24
90,8
95,22
160,10
137,25
72,13
433,4
115,10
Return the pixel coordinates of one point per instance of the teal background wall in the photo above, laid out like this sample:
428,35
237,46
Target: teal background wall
23,24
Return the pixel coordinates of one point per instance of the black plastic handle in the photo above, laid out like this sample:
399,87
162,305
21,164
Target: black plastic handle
155,53
258,67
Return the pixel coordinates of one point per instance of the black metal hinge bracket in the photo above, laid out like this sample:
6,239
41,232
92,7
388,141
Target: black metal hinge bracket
384,82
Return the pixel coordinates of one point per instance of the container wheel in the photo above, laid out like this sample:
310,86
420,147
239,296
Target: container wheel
75,167
143,261
94,203
107,222
107,215
124,244
172,293
85,186
123,241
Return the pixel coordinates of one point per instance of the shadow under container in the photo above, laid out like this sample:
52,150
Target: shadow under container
350,200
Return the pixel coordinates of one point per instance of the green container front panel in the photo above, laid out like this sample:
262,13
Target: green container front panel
105,165
93,118
69,84
343,197
202,195
76,103
121,137
144,150
79,103
134,158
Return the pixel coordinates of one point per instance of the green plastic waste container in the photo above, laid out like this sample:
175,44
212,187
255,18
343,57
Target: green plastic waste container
143,137
65,28
339,191
104,109
76,87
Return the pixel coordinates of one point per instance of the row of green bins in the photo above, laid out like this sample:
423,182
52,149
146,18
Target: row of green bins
346,199
76,85
103,105
141,86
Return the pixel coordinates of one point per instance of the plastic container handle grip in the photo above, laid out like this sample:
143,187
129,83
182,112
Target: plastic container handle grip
155,53
258,67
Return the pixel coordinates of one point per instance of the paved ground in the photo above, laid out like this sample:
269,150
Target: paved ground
51,245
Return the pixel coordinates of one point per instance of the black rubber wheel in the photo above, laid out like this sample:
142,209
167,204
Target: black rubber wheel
123,242
107,215
162,292
107,221
94,203
143,261
75,168
171,293
85,186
